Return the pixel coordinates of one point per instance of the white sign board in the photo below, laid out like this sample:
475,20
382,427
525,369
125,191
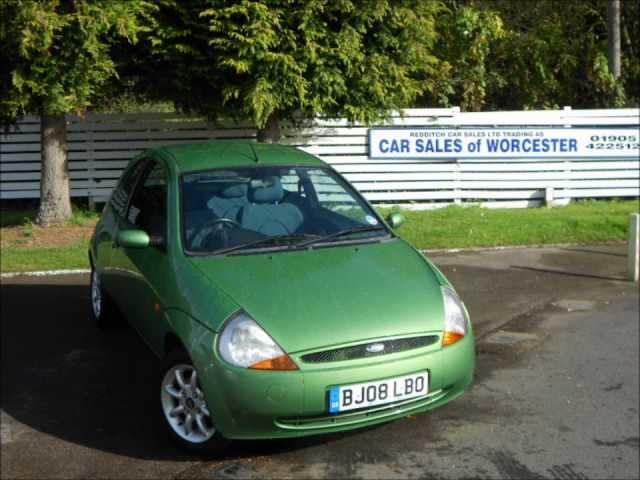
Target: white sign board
434,143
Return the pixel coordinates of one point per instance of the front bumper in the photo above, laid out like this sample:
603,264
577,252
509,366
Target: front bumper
252,404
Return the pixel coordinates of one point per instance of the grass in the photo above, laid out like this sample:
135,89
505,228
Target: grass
20,259
27,247
81,216
459,227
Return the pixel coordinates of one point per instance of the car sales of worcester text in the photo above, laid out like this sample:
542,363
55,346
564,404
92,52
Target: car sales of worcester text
433,143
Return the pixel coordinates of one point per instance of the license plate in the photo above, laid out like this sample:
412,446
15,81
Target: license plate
369,394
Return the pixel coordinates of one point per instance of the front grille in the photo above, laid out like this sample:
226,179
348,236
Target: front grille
360,351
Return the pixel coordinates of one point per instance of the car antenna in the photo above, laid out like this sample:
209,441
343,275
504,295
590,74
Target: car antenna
255,156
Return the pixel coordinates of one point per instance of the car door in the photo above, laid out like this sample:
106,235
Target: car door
146,272
107,229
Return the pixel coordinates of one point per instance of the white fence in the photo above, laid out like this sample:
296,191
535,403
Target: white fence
101,144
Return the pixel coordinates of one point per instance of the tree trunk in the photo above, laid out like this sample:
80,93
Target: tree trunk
613,30
55,201
270,133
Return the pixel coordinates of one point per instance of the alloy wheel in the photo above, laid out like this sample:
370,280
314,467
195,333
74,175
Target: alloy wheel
96,294
184,405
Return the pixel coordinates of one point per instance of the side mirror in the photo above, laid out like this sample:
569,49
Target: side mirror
395,219
133,239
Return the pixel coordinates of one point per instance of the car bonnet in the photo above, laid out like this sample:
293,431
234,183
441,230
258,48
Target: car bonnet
312,298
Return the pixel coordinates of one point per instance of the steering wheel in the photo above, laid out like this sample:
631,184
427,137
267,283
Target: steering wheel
217,225
221,221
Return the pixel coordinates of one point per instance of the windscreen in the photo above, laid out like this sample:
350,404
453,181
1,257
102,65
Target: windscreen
271,207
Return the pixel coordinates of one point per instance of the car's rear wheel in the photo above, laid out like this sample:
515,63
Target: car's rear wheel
184,409
101,309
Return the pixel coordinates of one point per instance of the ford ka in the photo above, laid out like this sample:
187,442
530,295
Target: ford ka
280,302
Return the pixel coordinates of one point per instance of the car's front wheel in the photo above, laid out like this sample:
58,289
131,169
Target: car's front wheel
101,309
184,408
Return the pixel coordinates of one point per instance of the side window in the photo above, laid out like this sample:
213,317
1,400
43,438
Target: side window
123,190
331,196
148,207
290,182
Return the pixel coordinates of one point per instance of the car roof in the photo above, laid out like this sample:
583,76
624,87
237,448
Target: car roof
228,153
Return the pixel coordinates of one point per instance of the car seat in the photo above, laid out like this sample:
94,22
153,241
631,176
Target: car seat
228,202
265,213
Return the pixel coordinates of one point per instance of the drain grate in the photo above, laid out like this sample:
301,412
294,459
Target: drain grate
575,305
235,471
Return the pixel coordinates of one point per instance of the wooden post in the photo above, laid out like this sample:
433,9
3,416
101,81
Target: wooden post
549,199
567,164
634,247
456,182
613,36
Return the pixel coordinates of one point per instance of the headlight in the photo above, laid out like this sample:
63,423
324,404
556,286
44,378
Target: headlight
244,343
456,323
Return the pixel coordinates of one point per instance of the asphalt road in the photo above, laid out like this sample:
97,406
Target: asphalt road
556,392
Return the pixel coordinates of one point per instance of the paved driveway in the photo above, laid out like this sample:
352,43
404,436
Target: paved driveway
556,393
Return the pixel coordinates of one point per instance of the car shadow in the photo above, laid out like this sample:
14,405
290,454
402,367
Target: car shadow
64,377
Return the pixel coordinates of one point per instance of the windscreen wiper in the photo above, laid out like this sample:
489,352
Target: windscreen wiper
340,233
268,241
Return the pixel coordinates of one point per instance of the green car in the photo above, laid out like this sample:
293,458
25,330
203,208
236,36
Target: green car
281,303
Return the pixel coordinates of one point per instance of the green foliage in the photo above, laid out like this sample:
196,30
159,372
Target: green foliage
27,229
82,216
468,36
360,59
56,55
557,55
630,24
506,54
12,218
256,59
119,99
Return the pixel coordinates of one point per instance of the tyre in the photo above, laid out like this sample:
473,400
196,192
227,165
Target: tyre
183,407
101,308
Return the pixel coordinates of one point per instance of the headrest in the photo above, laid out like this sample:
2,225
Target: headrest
234,190
266,190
